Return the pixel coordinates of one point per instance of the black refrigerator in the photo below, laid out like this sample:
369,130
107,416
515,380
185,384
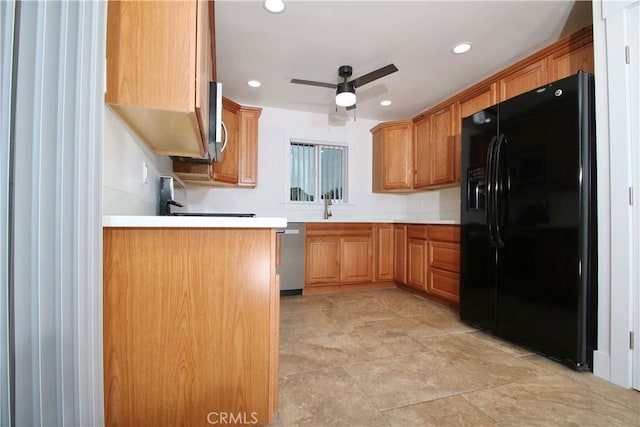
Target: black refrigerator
528,221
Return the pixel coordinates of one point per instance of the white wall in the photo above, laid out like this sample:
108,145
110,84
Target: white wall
124,193
269,198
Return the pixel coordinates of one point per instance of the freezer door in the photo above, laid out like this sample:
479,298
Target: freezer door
540,292
477,254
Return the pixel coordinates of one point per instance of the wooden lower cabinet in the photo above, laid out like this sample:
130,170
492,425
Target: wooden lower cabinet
417,264
400,253
356,259
323,260
384,261
190,325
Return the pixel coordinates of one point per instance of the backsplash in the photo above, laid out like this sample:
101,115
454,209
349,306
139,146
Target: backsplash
124,192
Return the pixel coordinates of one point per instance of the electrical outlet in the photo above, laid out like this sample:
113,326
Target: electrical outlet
145,173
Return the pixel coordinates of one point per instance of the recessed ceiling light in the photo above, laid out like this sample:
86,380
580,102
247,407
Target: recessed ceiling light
462,47
274,6
385,103
254,83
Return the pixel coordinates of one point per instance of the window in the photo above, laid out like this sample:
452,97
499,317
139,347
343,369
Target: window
318,171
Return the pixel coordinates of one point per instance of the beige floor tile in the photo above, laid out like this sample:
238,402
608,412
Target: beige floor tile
359,313
324,398
627,397
550,400
306,323
450,411
493,365
402,381
410,326
502,344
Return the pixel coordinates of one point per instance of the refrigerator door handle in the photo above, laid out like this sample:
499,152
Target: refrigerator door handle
502,188
490,190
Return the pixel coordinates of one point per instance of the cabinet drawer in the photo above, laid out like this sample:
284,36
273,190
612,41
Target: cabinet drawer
417,232
444,284
339,229
445,256
444,233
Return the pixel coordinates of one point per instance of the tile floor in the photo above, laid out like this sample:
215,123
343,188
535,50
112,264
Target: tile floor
391,358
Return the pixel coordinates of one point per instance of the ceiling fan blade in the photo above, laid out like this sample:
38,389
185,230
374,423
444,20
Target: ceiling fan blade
374,75
351,107
312,83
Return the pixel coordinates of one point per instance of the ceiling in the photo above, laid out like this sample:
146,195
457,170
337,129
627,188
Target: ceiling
311,39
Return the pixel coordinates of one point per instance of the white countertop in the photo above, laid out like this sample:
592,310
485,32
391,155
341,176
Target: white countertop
191,222
380,221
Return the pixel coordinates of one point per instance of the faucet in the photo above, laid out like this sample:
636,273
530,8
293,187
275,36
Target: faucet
327,203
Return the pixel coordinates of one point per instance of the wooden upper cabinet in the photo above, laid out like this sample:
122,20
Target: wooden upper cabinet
569,61
422,138
227,169
239,165
442,151
436,148
393,156
478,100
524,79
158,69
248,146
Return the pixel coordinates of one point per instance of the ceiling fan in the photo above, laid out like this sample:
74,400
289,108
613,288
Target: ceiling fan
346,90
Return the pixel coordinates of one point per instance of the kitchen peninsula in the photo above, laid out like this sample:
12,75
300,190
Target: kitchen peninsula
191,313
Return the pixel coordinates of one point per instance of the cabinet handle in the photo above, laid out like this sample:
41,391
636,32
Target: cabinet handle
224,145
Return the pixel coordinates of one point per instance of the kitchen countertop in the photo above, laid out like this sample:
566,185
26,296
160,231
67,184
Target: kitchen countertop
191,222
380,221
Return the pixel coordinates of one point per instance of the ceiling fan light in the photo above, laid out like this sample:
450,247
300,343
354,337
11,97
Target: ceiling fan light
274,6
345,95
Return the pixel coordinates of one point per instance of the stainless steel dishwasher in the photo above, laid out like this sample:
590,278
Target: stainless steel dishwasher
292,250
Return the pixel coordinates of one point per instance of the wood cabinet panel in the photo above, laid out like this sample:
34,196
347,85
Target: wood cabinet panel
444,284
417,263
525,79
192,332
322,260
417,231
393,156
356,259
400,253
384,262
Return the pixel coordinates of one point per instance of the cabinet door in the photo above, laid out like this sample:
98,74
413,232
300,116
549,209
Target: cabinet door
248,146
442,147
393,157
400,253
422,137
524,79
384,252
444,256
227,169
480,99
417,264
356,255
322,263
565,63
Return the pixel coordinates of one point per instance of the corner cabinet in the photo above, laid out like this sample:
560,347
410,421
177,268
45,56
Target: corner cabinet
393,157
158,71
239,165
